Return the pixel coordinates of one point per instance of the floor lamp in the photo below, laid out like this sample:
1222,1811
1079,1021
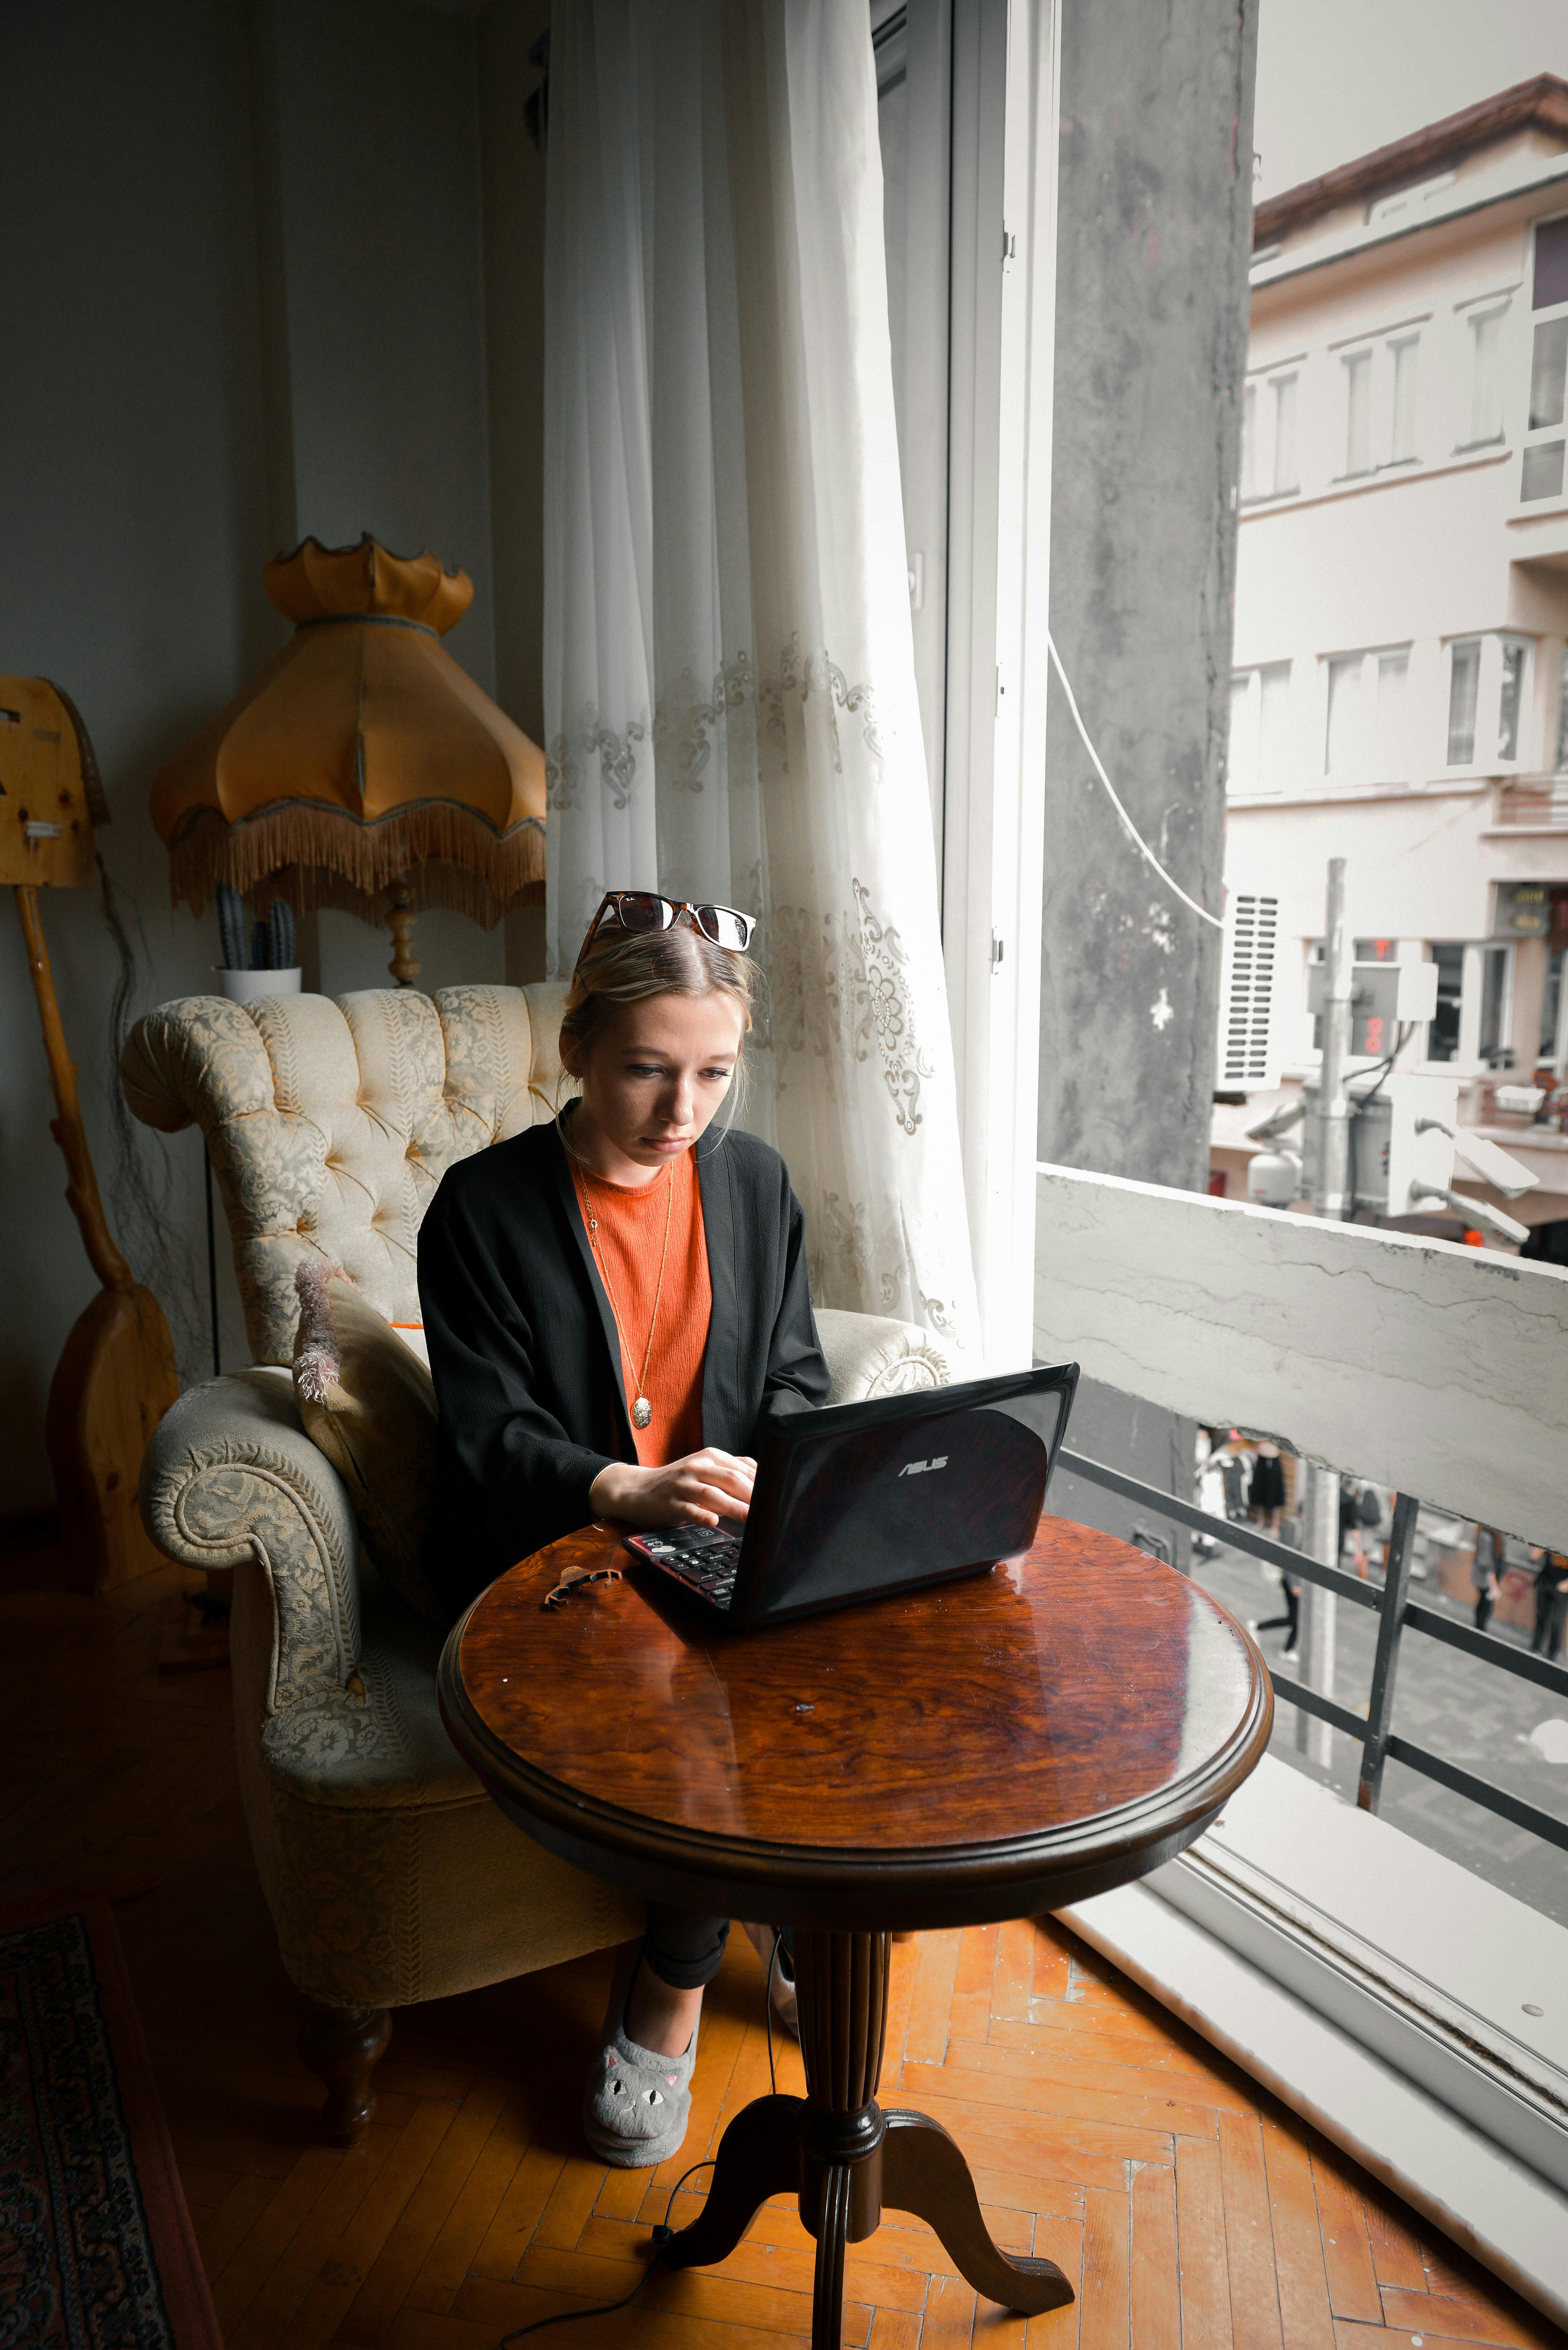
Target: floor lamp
363,768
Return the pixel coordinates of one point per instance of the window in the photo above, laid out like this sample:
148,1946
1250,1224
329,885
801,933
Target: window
1542,465
1269,468
1358,413
1488,680
1443,1028
1475,1005
1485,423
1366,739
1259,707
1380,418
1553,1008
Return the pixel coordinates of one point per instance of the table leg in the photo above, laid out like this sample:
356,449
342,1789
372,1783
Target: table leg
846,2156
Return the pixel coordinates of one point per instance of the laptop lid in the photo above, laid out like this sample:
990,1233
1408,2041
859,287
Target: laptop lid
863,1498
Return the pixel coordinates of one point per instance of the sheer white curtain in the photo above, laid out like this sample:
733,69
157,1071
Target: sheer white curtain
729,680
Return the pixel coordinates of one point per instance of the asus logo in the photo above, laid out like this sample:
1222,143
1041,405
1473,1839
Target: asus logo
915,1468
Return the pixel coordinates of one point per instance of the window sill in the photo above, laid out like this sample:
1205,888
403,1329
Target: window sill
1381,1990
1298,796
1358,486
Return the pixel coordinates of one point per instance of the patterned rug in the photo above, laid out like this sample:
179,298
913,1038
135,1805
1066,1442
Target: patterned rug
97,2250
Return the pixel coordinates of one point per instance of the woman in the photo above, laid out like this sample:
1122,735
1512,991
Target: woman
613,1304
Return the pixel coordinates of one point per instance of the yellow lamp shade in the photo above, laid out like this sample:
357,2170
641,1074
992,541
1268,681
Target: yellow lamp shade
363,759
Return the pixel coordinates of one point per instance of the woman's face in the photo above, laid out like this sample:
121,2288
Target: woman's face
653,1079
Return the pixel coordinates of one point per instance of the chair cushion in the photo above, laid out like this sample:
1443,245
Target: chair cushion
369,1402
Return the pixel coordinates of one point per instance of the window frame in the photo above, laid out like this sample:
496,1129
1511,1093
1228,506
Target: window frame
1379,348
1474,313
1368,771
1486,755
1536,438
1466,1061
1256,786
1262,401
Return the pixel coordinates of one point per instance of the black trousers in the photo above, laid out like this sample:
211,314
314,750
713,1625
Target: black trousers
1485,1602
682,1947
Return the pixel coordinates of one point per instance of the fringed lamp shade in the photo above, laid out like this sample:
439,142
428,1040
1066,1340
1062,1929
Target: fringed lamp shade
362,767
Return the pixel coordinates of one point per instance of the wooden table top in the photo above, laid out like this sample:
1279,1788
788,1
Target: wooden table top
986,1749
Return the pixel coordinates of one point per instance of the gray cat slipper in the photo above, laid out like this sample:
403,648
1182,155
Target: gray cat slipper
638,2103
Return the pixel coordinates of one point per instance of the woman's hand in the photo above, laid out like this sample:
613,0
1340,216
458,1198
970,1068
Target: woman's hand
696,1491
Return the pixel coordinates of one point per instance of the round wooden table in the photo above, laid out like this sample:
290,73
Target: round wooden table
986,1750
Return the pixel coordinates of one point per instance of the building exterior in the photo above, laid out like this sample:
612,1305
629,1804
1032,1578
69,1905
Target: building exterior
1399,694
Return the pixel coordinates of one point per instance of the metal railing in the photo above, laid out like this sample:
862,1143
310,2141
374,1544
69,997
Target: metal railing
1397,1612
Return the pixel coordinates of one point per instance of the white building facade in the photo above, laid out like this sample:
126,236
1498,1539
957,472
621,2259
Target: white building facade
1400,693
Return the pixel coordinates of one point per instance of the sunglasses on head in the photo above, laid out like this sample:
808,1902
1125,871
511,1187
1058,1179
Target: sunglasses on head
645,910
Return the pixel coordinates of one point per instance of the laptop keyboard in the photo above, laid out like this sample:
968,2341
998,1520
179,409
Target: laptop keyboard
702,1558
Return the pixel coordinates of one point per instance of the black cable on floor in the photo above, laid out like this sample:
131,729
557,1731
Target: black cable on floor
661,2236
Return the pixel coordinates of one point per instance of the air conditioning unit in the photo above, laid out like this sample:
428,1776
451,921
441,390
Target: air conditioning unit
1249,1048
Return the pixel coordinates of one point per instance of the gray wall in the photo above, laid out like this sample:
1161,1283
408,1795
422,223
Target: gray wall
249,304
1154,230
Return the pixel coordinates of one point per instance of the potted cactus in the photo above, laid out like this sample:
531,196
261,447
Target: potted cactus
262,965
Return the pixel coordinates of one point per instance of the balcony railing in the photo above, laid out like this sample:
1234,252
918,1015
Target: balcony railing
1397,1612
1426,1368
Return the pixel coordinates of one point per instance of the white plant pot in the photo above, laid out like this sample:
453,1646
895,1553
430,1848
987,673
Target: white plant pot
250,986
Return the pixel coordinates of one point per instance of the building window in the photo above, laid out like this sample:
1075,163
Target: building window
1358,413
1380,405
1366,738
1475,1005
1542,465
1260,706
1488,681
1269,467
1554,1012
1485,425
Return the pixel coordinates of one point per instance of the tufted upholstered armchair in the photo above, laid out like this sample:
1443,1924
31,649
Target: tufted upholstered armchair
390,1875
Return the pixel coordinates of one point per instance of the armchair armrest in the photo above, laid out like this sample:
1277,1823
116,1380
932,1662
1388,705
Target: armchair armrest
874,1354
230,1478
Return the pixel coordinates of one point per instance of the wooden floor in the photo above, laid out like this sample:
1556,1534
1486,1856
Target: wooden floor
1189,2212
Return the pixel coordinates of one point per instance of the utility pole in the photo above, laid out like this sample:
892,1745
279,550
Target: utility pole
1331,1198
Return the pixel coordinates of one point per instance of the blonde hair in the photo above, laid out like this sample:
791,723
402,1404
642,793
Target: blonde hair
628,966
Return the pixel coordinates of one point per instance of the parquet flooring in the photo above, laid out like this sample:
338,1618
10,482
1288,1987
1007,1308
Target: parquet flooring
1190,2211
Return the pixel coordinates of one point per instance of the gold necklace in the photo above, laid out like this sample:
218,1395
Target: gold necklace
641,1409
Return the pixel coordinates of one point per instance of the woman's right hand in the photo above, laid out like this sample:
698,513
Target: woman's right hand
695,1491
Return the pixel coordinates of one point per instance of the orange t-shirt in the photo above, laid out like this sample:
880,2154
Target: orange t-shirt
626,1247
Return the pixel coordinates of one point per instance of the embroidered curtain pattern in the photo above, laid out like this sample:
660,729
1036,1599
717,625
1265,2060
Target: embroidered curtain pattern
728,677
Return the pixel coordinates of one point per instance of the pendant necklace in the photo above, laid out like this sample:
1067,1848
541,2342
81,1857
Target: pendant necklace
641,1409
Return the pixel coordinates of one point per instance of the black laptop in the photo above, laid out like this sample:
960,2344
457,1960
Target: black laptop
862,1499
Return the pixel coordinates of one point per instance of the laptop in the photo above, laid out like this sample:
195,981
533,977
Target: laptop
862,1499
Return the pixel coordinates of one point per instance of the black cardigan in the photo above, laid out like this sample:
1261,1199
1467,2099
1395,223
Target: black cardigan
525,1357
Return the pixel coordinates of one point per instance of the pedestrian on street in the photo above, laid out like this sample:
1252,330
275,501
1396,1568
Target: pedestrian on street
1484,1568
1551,1605
1266,1493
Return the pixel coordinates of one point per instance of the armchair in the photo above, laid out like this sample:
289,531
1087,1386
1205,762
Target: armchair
390,1875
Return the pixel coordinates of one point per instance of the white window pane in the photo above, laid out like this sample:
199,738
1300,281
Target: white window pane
1404,440
1548,373
1508,701
1273,718
1345,718
1285,476
1392,674
1249,441
1464,681
1242,763
1358,413
1486,383
1494,1004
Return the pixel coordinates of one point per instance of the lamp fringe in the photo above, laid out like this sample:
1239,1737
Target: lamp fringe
310,856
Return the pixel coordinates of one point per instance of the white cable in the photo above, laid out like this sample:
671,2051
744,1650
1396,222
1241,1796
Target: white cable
1133,833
